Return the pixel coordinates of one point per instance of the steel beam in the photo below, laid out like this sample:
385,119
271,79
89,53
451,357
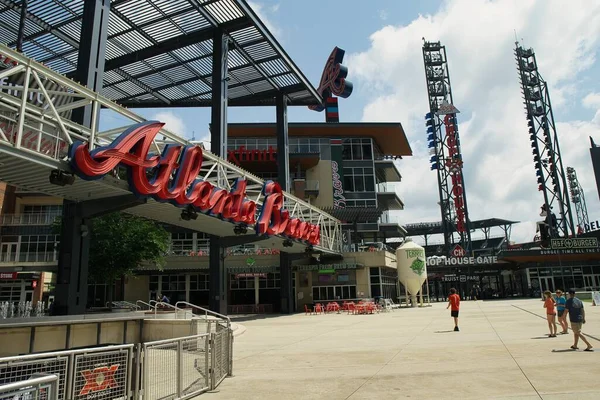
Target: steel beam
22,20
218,131
218,146
283,153
92,53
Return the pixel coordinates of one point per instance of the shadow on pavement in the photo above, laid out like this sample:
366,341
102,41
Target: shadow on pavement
450,331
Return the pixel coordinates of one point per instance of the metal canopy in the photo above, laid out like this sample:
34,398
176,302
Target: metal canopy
159,52
432,228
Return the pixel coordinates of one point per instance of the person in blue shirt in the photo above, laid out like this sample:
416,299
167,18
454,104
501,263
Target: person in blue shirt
574,308
560,308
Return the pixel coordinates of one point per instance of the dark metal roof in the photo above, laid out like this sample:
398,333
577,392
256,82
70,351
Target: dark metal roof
355,214
432,228
159,52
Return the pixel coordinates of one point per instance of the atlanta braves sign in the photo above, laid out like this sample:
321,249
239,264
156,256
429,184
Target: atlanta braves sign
173,177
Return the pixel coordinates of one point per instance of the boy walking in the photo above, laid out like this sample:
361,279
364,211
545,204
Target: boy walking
454,306
574,309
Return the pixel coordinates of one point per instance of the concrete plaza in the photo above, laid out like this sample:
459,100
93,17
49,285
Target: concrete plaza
502,352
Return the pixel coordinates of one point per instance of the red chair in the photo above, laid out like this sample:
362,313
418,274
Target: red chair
307,311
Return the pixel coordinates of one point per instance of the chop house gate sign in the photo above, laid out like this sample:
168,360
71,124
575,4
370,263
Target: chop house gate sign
174,179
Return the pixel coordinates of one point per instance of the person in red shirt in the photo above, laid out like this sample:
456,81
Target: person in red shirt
550,313
454,305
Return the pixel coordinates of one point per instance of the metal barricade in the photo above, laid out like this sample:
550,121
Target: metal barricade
42,387
176,368
103,372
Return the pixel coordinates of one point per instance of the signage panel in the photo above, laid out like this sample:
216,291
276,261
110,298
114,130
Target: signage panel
434,261
9,275
337,173
173,177
574,243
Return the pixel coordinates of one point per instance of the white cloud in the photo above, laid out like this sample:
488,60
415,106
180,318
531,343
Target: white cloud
479,38
263,14
592,100
172,123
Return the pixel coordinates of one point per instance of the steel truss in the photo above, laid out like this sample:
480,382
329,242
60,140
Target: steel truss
544,143
444,146
578,198
39,133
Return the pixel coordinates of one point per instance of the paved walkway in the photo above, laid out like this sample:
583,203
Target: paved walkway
501,352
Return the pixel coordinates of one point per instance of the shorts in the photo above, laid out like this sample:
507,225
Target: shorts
454,313
552,314
561,313
576,326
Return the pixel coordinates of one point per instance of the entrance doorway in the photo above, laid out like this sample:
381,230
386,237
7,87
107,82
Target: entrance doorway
8,252
546,283
591,282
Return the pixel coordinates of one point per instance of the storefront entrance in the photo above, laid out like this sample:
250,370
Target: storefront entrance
15,290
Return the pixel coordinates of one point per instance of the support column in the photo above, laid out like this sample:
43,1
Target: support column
72,283
283,153
21,32
218,123
218,146
283,177
218,276
92,53
287,291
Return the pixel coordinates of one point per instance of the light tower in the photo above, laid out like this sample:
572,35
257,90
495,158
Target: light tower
544,143
578,198
444,147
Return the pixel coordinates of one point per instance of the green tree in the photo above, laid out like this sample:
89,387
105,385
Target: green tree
120,243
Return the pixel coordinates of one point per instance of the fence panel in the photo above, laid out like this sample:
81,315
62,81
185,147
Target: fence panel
160,369
42,387
18,369
195,373
106,374
103,372
220,360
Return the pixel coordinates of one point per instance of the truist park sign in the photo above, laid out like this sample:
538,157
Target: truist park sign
173,177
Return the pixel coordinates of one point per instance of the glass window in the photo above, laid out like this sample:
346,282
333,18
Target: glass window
347,152
369,183
348,183
356,151
366,151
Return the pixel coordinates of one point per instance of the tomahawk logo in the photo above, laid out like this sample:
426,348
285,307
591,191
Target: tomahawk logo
99,379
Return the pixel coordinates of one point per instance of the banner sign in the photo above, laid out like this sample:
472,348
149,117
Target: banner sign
596,298
549,252
460,278
325,266
583,243
251,269
436,261
8,275
173,177
250,275
242,154
337,173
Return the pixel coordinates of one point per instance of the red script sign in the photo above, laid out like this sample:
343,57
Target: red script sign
173,177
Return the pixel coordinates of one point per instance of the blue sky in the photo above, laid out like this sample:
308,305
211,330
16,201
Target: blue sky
382,39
